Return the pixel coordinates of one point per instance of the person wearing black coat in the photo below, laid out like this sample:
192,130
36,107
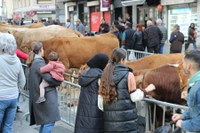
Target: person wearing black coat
104,27
118,94
152,37
176,40
89,118
47,113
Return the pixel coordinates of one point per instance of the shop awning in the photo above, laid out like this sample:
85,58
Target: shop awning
132,2
173,2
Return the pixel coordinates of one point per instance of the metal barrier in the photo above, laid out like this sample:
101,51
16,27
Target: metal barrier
150,114
68,101
133,55
68,95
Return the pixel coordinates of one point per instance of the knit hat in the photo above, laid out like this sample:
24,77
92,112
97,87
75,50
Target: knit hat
99,60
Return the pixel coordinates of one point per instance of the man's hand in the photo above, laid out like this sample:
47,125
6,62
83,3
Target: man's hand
177,117
150,88
178,123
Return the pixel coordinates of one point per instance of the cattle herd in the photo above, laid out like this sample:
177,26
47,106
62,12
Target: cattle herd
74,50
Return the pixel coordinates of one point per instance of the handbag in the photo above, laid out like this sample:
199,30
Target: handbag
100,102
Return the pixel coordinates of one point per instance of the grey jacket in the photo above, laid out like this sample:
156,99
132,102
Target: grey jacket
12,77
164,32
48,111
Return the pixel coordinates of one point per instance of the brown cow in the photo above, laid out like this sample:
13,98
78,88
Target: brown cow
75,52
153,64
169,81
154,61
25,35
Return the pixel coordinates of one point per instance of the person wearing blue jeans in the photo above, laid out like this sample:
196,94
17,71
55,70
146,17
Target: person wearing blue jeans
46,113
161,48
163,29
47,128
12,79
7,114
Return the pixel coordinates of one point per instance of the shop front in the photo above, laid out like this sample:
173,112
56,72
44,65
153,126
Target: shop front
182,12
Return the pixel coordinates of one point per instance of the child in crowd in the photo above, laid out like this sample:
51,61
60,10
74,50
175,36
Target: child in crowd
55,68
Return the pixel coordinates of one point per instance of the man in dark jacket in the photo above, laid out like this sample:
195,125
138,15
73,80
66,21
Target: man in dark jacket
152,37
127,37
176,40
104,27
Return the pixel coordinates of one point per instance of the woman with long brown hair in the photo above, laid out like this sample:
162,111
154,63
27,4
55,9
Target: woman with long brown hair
47,113
118,89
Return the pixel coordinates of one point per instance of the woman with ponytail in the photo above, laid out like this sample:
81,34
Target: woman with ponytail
118,90
47,113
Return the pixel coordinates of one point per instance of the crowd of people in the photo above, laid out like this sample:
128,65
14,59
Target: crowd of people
151,37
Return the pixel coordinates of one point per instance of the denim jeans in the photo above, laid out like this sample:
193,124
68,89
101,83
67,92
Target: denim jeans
7,115
47,128
161,48
188,44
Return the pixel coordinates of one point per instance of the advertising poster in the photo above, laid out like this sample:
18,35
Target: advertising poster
105,5
95,21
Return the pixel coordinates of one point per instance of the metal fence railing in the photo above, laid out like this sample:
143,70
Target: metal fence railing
68,95
68,101
133,55
148,106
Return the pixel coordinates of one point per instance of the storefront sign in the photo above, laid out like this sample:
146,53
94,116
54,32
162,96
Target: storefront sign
172,2
132,2
37,8
105,5
95,21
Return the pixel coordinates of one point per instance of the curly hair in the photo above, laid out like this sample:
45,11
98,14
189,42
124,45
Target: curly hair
107,88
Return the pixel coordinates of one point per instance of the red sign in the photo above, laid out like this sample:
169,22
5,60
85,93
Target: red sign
95,21
17,16
31,13
107,17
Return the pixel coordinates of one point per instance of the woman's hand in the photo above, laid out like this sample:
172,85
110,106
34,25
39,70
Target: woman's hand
150,88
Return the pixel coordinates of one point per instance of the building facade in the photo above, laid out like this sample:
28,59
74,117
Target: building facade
89,12
9,9
2,10
34,9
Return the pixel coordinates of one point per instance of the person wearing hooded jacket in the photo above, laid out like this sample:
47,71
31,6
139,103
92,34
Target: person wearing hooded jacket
11,80
89,118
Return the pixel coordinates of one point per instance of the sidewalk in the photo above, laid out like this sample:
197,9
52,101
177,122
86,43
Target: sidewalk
21,125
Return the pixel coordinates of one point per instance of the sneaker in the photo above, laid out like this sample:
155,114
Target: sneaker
19,110
40,100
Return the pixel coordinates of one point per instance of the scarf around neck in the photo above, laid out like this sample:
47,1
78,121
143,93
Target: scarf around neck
194,78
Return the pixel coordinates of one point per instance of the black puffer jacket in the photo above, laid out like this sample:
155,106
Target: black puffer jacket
120,116
89,118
